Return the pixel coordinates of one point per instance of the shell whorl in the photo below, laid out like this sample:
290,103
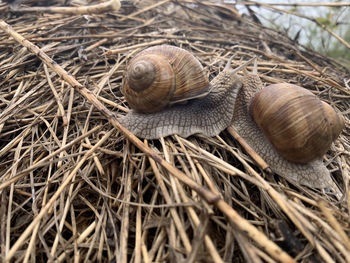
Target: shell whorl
140,74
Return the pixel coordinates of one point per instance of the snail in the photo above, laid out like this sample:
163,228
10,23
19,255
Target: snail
312,173
193,105
237,101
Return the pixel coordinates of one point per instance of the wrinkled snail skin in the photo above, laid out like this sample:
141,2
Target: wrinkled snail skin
308,174
208,115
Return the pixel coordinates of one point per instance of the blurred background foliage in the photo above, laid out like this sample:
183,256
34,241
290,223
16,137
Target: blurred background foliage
322,27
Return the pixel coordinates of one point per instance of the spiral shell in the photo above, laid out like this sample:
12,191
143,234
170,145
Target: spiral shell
300,126
163,75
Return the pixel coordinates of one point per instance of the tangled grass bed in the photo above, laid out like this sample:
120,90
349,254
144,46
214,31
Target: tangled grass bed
75,186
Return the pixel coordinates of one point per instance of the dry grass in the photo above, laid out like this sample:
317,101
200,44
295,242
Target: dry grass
75,188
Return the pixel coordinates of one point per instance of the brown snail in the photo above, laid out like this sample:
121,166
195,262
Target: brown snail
194,105
233,100
312,173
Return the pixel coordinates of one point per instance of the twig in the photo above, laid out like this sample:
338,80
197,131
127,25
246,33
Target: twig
124,230
58,100
263,165
144,10
173,212
334,223
109,6
194,217
120,50
80,239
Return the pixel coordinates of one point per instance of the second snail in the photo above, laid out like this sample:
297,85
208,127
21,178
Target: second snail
287,125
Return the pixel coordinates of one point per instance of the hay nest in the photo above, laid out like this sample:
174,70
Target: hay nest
75,188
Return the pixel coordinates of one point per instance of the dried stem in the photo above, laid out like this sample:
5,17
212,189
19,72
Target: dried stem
112,207
108,6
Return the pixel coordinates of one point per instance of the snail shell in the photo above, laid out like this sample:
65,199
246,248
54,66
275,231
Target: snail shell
297,123
163,75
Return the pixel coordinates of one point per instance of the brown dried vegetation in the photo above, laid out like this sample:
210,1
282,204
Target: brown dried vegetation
74,187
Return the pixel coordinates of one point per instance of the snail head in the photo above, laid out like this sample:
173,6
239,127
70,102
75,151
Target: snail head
228,78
